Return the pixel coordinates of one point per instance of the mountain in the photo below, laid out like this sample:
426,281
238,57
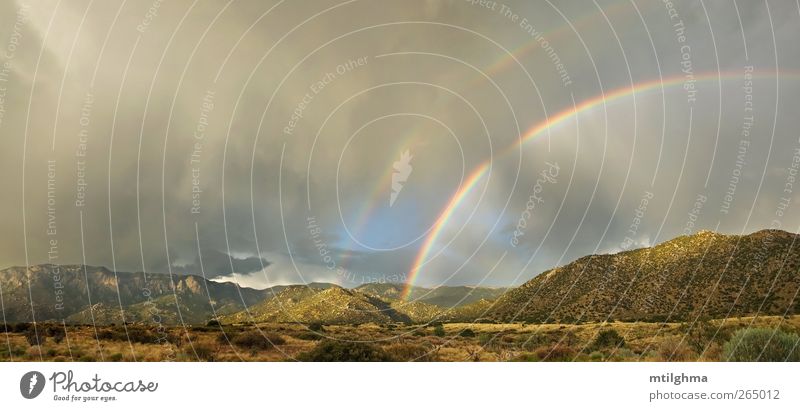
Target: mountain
703,275
707,274
443,296
333,305
75,293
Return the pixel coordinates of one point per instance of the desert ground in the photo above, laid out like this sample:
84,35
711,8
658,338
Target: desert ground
702,340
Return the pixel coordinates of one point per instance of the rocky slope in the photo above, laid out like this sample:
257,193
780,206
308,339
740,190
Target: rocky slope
705,275
443,296
75,293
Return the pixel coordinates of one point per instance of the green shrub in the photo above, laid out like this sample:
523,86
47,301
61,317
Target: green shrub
341,351
316,327
438,330
467,333
609,338
116,357
212,323
762,344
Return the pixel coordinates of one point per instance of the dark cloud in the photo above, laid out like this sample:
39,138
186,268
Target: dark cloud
115,121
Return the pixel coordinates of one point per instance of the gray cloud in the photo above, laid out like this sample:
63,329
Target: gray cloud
132,101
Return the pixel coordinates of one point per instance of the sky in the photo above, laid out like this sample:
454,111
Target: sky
428,142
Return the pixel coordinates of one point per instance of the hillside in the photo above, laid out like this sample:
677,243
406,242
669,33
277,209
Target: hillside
333,305
442,296
707,275
67,292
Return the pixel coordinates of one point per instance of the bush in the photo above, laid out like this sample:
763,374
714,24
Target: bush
308,336
410,352
316,327
438,330
762,344
675,349
467,333
87,358
526,357
257,341
555,353
609,338
203,351
34,338
116,357
134,335
340,351
212,323
57,333
20,327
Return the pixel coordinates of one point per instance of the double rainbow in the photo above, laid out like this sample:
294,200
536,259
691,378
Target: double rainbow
538,129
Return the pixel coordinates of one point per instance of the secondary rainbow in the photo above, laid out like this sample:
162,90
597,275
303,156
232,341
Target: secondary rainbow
422,256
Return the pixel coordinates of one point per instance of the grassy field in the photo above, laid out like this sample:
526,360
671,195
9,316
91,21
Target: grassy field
699,341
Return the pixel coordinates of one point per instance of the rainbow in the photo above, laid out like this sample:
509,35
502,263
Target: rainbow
537,129
368,208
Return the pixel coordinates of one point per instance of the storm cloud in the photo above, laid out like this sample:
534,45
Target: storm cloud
268,137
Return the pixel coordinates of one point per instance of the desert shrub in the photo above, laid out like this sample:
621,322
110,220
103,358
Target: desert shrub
20,327
203,351
212,323
485,338
202,329
316,327
608,338
57,333
256,340
309,336
703,332
676,349
555,353
107,334
526,357
410,352
344,351
467,333
139,335
116,357
87,358
134,335
33,337
438,330
762,344
596,356
51,352
508,338
224,338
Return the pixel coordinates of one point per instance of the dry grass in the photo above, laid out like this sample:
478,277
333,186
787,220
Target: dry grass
487,342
